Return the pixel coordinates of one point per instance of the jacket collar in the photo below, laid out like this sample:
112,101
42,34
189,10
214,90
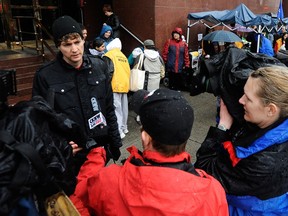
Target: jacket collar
271,136
157,157
85,65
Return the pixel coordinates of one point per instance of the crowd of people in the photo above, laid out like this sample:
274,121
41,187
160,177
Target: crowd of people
238,171
270,43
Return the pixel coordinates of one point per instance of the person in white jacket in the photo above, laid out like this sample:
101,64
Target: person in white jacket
152,64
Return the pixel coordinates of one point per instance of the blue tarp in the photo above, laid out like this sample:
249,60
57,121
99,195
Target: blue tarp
210,16
241,15
285,21
261,19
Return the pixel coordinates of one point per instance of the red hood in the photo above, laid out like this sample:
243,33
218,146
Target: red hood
177,30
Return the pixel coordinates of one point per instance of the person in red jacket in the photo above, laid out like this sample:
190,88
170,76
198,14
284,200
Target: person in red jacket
161,180
176,57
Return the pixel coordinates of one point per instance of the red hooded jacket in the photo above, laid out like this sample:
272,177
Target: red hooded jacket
146,190
175,53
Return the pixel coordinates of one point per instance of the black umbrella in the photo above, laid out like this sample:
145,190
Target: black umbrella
222,36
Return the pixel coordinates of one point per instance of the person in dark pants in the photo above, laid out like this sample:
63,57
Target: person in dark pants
79,86
176,58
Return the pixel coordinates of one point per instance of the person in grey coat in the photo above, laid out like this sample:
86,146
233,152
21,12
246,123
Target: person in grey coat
153,64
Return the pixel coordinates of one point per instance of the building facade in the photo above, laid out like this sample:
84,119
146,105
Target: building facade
141,19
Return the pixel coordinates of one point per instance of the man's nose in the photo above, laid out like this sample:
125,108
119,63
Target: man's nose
74,47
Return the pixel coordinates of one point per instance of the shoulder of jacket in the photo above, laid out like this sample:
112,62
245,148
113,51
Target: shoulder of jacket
97,60
168,41
47,65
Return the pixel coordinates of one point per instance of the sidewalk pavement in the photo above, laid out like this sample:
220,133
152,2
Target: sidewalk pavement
204,106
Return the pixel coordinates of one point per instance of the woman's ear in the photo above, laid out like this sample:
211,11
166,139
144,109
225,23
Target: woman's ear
273,110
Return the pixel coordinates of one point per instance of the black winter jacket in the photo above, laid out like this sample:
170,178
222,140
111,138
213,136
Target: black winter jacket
114,22
73,92
263,174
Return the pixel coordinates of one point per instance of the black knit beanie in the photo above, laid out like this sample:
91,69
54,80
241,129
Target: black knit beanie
65,25
165,115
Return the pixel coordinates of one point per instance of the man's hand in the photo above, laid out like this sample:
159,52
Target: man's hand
75,147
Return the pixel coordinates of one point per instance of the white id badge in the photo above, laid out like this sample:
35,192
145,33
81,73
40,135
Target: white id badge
97,120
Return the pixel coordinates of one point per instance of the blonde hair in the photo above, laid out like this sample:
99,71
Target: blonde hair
273,86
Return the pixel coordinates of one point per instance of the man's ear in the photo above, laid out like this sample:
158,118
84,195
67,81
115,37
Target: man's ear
146,140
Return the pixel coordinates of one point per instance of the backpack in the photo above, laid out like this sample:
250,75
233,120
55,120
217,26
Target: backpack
34,156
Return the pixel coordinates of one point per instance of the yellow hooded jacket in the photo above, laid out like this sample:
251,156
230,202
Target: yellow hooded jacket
121,75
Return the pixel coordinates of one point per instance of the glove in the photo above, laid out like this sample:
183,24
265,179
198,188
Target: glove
114,152
91,143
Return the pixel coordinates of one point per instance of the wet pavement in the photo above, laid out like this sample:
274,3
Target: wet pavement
204,106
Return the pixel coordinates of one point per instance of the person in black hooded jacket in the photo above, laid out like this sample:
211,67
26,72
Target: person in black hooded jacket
251,162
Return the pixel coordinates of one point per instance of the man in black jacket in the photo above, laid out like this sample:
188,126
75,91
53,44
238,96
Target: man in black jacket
78,86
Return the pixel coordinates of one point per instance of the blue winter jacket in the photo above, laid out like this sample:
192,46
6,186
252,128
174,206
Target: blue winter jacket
266,46
253,170
104,29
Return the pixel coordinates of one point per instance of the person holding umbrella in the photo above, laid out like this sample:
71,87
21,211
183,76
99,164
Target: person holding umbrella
222,38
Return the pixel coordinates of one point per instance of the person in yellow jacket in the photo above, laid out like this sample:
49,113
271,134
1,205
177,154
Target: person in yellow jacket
279,42
120,83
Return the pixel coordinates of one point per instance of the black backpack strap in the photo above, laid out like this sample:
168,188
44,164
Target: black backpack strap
146,80
182,165
29,154
6,138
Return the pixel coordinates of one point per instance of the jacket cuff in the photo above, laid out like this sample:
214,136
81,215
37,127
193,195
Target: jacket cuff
218,134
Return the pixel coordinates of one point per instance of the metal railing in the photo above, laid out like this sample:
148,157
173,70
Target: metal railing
38,28
130,33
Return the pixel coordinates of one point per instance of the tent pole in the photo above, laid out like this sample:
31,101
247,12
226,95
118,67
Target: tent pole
258,38
188,32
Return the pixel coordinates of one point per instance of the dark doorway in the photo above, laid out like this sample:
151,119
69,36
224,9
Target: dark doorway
71,8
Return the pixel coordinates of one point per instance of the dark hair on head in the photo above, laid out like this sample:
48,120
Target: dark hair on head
107,7
286,43
168,150
82,26
66,37
98,42
151,47
283,35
